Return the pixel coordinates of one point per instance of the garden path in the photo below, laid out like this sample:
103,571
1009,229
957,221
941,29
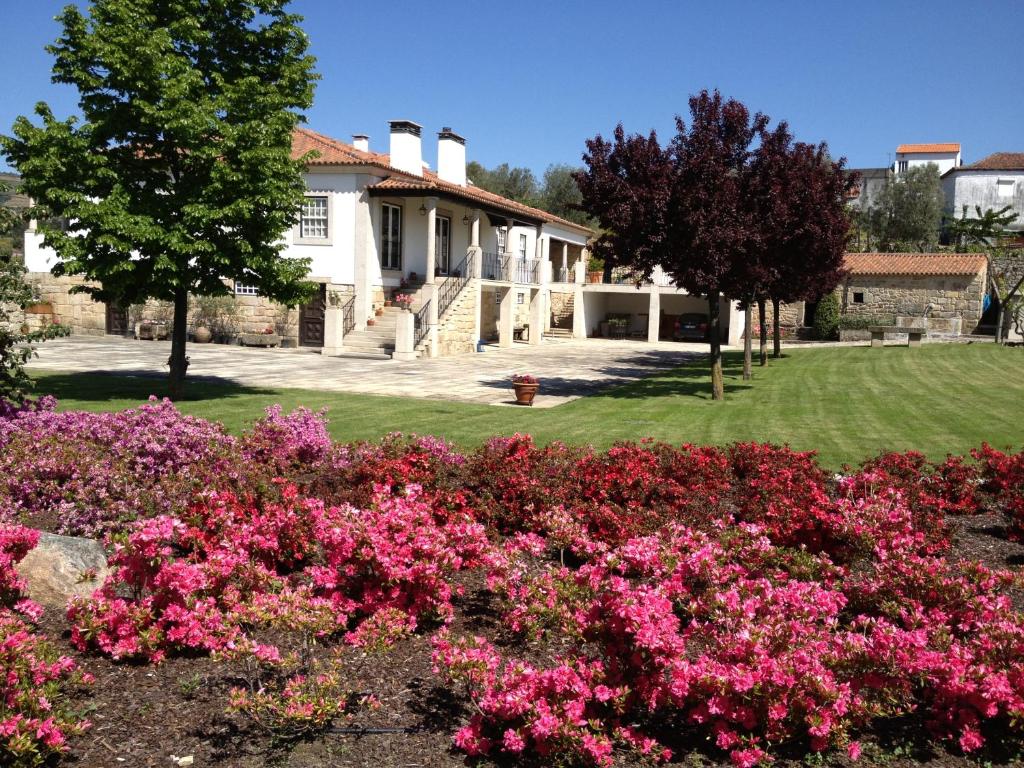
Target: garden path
568,369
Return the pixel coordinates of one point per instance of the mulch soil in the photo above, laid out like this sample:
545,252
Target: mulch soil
145,715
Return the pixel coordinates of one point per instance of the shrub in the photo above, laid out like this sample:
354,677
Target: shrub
826,317
862,322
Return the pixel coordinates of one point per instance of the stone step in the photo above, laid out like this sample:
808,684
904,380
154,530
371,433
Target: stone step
356,355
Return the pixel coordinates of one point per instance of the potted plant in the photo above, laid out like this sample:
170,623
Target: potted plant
403,300
379,311
526,387
202,335
595,270
370,322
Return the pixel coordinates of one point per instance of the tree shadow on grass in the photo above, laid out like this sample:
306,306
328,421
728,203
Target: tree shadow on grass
107,386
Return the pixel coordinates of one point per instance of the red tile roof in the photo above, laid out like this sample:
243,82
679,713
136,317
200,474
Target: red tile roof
999,161
333,152
939,264
912,149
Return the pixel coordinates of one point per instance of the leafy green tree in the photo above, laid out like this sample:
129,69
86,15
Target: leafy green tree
179,175
907,214
560,194
979,231
15,340
517,184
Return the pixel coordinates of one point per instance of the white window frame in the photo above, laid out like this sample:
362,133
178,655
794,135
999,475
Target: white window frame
1005,184
902,166
387,261
502,239
327,239
242,289
523,245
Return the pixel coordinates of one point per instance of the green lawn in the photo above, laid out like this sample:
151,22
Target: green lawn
847,403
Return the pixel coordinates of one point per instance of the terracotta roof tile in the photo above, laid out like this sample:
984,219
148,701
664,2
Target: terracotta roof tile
915,263
333,152
999,161
911,149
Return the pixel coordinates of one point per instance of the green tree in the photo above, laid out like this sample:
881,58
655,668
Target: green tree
908,211
979,231
515,183
179,175
560,194
16,340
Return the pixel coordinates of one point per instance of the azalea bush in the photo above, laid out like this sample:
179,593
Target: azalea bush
36,715
646,598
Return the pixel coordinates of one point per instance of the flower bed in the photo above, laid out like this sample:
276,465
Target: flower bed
576,606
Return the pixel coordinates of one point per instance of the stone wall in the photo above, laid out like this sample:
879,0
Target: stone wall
490,309
950,296
790,315
76,310
457,332
561,309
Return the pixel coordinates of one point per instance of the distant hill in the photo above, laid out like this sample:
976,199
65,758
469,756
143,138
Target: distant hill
16,199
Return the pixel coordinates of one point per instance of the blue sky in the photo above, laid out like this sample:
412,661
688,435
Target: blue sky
527,82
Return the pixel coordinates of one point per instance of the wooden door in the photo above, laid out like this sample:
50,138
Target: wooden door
117,320
311,320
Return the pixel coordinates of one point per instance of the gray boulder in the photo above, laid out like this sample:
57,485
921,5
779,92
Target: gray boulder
62,567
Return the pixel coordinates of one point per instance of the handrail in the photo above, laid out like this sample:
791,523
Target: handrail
492,266
452,287
420,324
348,317
527,271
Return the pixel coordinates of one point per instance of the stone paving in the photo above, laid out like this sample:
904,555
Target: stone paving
568,369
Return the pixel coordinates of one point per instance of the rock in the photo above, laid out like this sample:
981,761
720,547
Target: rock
62,567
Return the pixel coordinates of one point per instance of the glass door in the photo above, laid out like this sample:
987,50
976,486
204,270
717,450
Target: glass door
442,244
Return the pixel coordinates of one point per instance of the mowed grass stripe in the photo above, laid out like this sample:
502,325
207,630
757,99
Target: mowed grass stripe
847,403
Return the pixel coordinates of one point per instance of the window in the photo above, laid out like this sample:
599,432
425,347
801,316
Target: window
313,220
241,289
522,246
858,298
1004,187
390,237
901,166
502,239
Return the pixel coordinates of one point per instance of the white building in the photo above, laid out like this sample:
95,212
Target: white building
945,156
477,265
993,183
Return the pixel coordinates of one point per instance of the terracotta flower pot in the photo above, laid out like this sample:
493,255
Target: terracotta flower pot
595,277
525,393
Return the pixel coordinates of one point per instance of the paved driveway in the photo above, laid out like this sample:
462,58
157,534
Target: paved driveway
567,369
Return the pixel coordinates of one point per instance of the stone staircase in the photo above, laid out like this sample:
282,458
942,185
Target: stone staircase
561,321
375,342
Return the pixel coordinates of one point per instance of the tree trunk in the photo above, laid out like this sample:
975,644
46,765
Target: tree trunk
715,337
748,344
607,276
776,330
178,362
764,331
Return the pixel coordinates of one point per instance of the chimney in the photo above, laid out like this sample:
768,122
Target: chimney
451,157
361,142
406,151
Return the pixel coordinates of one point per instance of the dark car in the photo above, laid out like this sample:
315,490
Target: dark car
691,326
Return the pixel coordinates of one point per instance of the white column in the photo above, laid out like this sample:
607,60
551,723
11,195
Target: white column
536,315
475,262
506,317
431,204
510,274
565,262
579,318
474,229
653,314
405,337
334,325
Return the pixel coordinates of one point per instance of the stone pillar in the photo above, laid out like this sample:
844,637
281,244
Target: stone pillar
364,252
565,262
506,317
510,254
431,204
474,229
334,330
475,254
536,316
653,315
478,288
579,275
405,337
579,313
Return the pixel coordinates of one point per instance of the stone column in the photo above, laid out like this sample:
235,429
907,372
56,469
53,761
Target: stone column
474,229
653,314
536,315
565,262
506,317
334,330
579,273
510,254
405,337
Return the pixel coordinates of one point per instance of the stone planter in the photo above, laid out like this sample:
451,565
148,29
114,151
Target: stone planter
854,334
151,331
42,308
202,335
260,339
525,393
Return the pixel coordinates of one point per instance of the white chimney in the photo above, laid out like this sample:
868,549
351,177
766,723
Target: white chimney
451,157
361,142
406,151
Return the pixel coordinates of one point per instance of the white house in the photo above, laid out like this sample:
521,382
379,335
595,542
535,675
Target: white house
993,183
945,156
476,265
